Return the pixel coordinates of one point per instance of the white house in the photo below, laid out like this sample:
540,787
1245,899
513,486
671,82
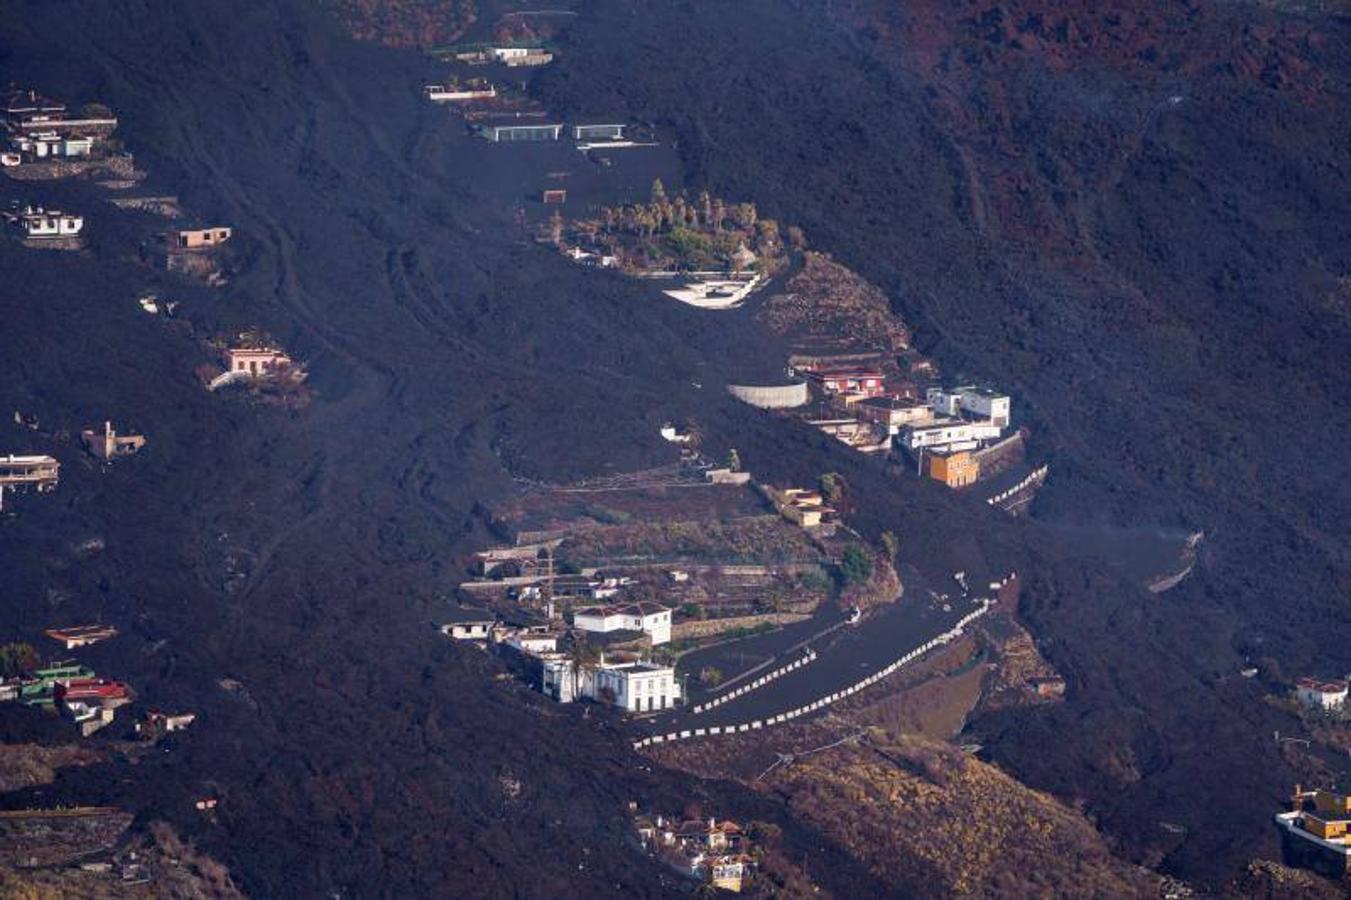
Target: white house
1317,694
49,223
978,402
437,93
949,434
468,624
652,618
636,687
558,677
533,643
52,145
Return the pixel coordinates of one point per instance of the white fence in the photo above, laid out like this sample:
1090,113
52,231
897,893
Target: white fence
808,657
946,637
1037,476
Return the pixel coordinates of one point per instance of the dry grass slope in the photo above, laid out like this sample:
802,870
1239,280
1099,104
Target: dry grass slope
928,818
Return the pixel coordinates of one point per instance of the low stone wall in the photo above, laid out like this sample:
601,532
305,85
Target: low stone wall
685,630
51,170
55,243
945,638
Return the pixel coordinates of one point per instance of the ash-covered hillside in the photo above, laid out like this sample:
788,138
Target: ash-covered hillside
1160,281
1135,216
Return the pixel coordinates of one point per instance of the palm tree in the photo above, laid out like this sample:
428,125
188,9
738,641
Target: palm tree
584,657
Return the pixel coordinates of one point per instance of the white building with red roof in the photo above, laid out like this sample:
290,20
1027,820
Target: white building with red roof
1318,694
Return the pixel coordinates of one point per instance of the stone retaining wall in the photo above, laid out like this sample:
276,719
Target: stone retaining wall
51,170
683,630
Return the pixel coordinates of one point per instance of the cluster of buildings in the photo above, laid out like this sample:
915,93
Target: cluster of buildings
716,853
42,473
621,632
953,435
78,693
73,689
39,129
1316,832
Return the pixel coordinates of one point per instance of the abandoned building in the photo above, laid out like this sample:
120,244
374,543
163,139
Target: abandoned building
43,224
42,473
158,723
200,238
525,560
1322,695
81,635
454,93
514,130
464,623
520,56
108,444
598,132
799,506
255,361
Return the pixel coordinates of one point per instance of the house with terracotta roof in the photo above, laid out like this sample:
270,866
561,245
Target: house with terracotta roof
256,361
81,635
1325,695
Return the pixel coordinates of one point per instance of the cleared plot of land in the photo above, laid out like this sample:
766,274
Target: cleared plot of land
669,493
57,837
710,551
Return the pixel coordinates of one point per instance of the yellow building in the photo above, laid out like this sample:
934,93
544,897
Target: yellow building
805,516
1328,802
1329,829
956,470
